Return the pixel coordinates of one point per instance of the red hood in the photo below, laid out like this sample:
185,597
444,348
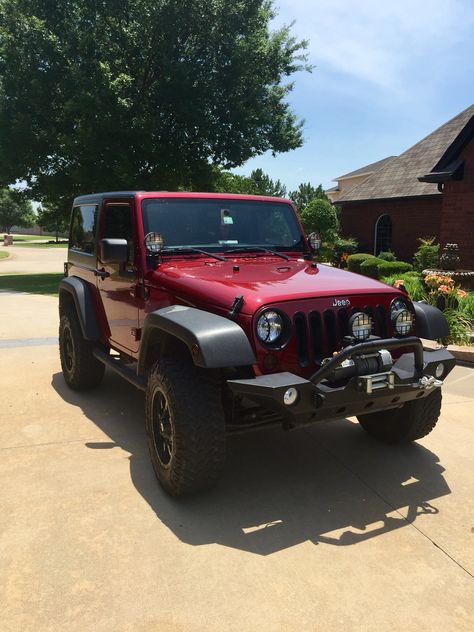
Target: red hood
260,280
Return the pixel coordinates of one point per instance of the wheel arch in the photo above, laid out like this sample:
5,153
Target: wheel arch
430,321
212,341
75,292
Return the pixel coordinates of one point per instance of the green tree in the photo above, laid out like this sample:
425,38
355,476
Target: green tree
15,210
140,94
53,219
262,184
321,216
305,193
257,183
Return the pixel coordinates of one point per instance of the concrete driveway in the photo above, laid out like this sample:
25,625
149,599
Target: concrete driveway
28,260
320,529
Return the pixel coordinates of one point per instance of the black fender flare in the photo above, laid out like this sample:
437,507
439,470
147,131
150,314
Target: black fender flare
213,341
430,321
81,294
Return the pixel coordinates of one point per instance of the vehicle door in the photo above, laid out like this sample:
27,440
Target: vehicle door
117,282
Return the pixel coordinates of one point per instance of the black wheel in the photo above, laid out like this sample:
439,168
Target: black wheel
412,421
80,369
185,426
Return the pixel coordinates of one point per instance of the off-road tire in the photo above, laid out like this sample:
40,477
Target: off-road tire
193,422
412,421
80,369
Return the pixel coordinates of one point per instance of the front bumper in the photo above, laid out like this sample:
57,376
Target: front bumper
412,376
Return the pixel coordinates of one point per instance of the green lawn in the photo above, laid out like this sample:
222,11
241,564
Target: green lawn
39,245
3,254
22,238
31,283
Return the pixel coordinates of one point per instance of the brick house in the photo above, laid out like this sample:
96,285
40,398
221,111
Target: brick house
426,191
348,181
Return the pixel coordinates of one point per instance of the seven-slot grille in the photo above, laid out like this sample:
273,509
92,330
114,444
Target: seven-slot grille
319,334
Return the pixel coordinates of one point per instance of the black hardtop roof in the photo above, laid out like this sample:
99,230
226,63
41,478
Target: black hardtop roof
94,197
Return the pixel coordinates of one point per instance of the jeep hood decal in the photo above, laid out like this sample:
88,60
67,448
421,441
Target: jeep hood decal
260,282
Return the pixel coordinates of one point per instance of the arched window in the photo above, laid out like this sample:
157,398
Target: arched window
383,234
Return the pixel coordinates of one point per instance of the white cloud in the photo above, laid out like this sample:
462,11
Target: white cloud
380,44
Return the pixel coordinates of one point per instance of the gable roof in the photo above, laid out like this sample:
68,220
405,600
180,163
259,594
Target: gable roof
399,178
367,170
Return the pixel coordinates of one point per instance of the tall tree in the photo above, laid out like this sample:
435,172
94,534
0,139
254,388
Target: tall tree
306,193
320,216
140,93
262,184
52,218
15,210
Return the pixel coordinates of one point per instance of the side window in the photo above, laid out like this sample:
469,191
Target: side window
118,222
83,228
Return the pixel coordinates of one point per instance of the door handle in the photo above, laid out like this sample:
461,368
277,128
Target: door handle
102,273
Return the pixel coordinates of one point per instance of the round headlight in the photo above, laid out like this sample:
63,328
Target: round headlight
402,322
360,325
269,326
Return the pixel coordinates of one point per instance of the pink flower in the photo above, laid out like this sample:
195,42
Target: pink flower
398,283
444,288
461,293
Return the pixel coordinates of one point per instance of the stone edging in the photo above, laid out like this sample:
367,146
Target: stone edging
460,352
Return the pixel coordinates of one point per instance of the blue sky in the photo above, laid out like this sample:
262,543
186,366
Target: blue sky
385,76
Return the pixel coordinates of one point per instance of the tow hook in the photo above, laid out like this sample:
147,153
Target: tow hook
428,382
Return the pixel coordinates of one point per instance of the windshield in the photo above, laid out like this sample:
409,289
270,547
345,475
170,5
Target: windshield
220,225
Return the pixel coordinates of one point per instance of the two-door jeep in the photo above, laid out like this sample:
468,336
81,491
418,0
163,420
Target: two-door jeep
214,306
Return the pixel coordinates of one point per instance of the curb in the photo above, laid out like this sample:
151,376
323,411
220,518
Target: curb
460,352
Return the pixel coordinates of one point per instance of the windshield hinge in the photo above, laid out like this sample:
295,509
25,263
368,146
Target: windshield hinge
236,306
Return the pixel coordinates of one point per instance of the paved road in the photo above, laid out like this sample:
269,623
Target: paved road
26,260
320,529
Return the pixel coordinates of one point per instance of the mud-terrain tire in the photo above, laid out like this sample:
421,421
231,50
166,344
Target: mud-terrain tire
80,369
412,421
185,426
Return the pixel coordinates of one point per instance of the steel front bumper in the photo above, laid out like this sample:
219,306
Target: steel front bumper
414,375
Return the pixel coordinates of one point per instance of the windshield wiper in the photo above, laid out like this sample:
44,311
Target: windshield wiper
185,249
260,249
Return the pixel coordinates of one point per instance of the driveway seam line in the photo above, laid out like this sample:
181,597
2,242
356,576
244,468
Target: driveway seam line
409,522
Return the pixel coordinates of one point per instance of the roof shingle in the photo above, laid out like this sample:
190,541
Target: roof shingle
399,178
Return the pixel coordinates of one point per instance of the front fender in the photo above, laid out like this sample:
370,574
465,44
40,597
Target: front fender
213,341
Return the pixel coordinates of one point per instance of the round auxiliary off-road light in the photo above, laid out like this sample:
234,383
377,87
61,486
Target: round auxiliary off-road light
269,326
360,325
403,322
439,371
290,396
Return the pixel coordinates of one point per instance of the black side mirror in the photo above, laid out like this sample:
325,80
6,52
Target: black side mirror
113,250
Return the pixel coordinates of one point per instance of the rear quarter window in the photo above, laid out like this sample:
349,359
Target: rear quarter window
83,228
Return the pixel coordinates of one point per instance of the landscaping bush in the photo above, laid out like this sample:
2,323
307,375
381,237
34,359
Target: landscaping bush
427,255
387,256
354,261
394,267
370,267
342,248
411,282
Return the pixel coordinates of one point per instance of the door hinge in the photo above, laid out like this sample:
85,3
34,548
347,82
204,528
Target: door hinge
136,333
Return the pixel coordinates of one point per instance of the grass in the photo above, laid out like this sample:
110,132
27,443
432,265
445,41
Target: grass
3,254
21,238
31,283
41,245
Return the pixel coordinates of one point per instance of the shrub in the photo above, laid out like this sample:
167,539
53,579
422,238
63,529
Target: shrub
427,255
354,261
387,256
370,267
411,281
394,267
343,247
320,216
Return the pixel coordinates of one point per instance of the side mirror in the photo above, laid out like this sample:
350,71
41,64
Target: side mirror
113,250
314,241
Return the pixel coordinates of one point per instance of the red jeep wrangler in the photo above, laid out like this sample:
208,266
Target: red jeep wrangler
212,304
